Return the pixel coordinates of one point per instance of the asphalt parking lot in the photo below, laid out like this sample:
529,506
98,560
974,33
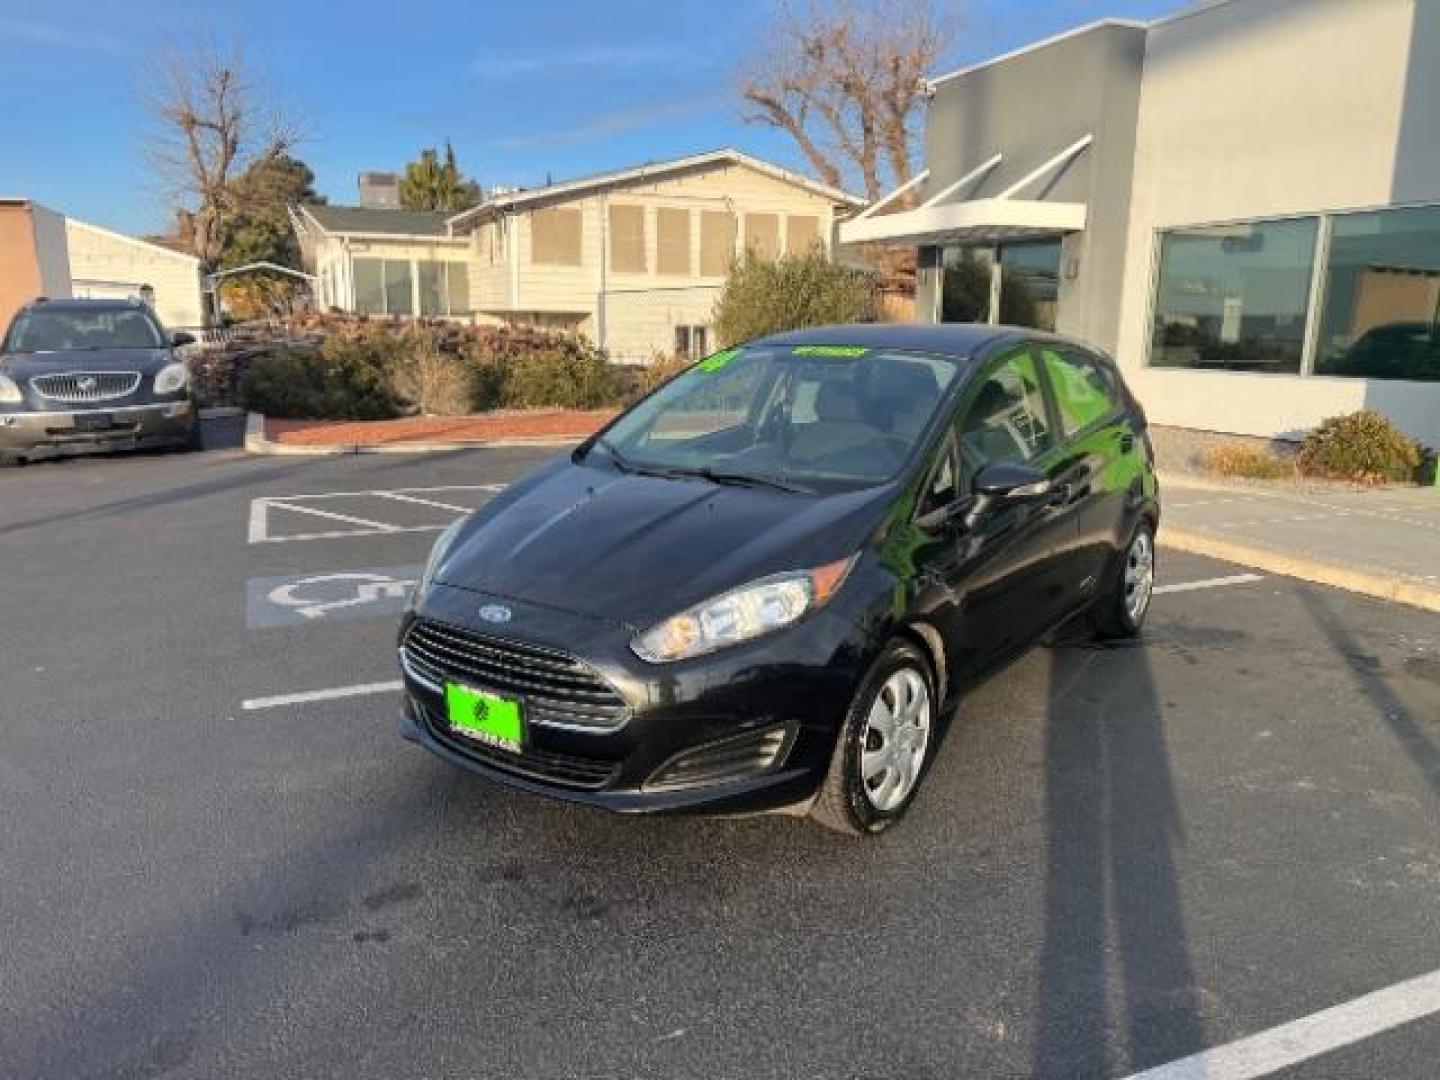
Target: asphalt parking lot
221,861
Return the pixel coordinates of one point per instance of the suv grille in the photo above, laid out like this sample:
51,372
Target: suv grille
85,386
567,769
558,690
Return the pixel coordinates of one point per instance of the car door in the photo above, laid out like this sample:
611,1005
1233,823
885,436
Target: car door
1100,455
998,568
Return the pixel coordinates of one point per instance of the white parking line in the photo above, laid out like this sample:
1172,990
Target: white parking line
304,696
398,497
1209,583
1300,1040
366,523
258,531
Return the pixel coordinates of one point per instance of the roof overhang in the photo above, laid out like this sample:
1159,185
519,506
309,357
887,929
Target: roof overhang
973,221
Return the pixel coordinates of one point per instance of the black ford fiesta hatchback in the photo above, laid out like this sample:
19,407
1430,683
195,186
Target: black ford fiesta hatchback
761,587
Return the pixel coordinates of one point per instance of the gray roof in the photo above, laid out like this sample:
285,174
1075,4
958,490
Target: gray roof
365,219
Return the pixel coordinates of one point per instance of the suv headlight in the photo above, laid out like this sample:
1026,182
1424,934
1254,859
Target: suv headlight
171,379
741,614
10,391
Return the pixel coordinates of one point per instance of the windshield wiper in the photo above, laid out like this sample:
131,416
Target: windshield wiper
741,479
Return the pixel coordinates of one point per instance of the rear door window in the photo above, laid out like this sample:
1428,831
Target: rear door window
1084,389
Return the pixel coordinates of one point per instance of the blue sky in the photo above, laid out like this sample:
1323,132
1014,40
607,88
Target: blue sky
523,90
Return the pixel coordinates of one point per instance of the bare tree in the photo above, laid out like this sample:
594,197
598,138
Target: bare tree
843,79
212,123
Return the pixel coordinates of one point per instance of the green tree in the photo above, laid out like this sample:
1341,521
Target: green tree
258,230
433,184
765,297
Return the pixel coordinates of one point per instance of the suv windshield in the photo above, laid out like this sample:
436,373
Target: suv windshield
42,330
788,416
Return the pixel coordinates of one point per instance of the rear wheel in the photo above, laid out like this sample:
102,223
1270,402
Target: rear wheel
1122,613
884,746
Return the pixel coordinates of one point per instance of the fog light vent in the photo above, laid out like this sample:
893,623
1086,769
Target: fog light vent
736,757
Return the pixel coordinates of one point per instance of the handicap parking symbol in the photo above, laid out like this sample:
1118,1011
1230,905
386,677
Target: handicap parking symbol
323,596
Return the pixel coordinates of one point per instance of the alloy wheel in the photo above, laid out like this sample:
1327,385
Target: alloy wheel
1139,575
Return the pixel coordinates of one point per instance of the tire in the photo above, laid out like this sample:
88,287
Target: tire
11,461
1121,613
195,441
847,802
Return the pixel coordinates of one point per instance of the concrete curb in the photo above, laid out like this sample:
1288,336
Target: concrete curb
1408,591
257,443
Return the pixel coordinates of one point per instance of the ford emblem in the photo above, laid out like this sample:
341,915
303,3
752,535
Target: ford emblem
496,613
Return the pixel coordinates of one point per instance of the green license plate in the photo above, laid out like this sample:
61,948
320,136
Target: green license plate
484,717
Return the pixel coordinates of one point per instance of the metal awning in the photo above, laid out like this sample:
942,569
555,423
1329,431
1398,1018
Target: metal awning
1000,217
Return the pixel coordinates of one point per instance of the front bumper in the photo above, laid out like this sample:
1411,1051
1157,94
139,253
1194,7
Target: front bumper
35,434
746,729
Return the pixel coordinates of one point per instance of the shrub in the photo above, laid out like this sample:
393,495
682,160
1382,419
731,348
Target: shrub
1244,460
567,378
340,383
763,296
431,379
1361,446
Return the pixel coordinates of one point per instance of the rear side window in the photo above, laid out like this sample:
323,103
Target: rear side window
1084,389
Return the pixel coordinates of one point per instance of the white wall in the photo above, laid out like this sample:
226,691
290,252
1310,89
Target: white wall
1265,108
52,252
112,265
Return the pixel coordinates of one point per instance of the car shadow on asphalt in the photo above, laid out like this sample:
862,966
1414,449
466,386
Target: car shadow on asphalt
1368,673
1112,895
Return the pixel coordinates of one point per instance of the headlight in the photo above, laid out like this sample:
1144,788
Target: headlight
171,379
443,543
10,391
741,614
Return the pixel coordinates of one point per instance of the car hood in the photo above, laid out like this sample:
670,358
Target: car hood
634,549
28,365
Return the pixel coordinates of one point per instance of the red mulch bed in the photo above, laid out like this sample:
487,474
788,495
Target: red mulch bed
518,424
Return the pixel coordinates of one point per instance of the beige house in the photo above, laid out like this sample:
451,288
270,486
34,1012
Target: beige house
110,265
633,259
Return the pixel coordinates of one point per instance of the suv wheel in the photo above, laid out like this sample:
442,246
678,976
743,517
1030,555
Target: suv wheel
884,747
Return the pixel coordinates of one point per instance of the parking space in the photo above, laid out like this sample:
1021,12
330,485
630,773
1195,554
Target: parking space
221,861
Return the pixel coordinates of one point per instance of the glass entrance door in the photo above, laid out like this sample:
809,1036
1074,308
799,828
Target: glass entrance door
1023,278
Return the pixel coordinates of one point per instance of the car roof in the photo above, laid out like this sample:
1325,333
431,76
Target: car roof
952,339
83,305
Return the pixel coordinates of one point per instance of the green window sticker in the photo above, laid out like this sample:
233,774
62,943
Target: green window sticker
716,361
836,352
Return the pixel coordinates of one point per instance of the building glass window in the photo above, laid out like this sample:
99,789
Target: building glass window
672,240
1234,296
1381,316
802,232
1030,284
717,242
398,296
762,235
369,286
555,237
690,342
457,288
431,276
627,239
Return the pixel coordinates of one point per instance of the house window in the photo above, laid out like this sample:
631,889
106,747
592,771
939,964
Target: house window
398,297
555,237
1381,315
369,286
691,342
1235,296
762,235
801,233
627,239
431,276
672,241
717,242
457,288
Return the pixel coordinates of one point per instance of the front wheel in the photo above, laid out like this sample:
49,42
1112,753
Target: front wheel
1122,613
884,746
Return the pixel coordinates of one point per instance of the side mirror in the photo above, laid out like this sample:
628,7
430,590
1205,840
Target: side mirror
1011,481
182,338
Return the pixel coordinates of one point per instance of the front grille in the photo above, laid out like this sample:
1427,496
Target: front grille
733,758
81,387
557,689
532,762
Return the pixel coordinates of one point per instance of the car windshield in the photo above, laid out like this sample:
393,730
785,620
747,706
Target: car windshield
802,416
41,330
